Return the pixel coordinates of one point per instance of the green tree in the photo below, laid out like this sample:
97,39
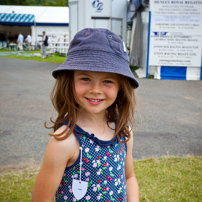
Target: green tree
61,3
39,2
52,3
17,2
35,2
66,3
24,2
3,2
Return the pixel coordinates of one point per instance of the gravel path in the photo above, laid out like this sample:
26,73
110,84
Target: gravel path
171,114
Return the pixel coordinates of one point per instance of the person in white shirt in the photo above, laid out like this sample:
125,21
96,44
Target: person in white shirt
20,41
29,41
44,45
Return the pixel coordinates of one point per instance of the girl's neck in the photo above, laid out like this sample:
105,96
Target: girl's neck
96,124
84,118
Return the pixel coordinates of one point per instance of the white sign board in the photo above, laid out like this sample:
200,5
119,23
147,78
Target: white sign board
176,33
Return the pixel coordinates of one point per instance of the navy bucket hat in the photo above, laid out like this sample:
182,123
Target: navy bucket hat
97,50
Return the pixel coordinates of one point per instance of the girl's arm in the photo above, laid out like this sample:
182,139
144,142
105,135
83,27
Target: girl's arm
57,154
132,185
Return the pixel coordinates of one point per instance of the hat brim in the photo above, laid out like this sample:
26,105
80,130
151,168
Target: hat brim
97,61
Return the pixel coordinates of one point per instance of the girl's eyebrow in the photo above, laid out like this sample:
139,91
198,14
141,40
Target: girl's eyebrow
111,77
114,77
82,74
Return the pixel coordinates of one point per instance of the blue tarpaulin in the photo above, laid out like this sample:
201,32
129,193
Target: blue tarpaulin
175,73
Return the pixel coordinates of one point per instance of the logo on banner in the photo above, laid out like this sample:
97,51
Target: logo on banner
160,33
98,5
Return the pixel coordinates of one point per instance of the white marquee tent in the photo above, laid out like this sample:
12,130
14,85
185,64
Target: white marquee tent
34,20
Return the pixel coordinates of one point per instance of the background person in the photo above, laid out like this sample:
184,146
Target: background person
44,45
29,41
10,37
20,41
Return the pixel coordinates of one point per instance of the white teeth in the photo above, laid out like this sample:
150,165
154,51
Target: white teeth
93,100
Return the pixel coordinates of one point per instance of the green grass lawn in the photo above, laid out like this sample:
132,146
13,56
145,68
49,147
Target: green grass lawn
53,57
160,180
56,58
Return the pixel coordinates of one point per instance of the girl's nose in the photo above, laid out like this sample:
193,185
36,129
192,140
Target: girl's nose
96,88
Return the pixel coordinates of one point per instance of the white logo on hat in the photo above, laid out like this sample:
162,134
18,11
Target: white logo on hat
124,47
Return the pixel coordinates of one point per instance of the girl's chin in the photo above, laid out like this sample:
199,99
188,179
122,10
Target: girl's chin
91,111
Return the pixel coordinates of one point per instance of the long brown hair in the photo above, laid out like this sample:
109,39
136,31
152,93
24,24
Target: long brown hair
120,112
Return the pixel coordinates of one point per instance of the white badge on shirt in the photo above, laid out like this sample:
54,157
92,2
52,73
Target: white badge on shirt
79,188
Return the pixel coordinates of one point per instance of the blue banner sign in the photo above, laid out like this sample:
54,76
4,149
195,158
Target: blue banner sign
13,17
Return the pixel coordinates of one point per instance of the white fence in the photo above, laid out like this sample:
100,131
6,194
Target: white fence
59,43
3,44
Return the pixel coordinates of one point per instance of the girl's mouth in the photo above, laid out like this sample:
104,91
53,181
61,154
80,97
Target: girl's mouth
94,101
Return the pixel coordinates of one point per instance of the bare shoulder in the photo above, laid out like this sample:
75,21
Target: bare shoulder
62,150
58,154
67,141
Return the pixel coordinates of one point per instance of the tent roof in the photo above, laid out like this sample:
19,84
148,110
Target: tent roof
43,14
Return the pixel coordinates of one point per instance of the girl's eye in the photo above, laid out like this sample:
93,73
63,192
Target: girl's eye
85,79
107,81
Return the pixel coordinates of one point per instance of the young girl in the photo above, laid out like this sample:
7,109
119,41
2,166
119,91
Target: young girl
89,156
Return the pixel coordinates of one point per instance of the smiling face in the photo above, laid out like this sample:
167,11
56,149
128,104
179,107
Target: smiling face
95,91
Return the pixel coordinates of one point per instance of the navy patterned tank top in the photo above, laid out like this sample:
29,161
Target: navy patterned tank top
103,167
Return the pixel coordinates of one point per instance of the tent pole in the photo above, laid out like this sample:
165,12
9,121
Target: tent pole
35,32
148,44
